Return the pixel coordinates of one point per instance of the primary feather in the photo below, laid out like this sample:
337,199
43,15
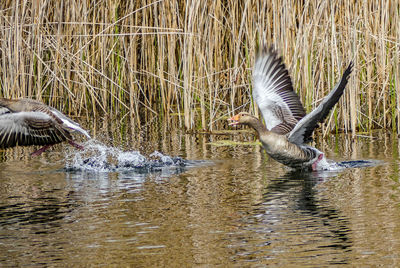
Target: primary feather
273,92
28,122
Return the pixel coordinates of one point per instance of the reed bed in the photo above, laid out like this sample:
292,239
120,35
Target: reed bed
192,59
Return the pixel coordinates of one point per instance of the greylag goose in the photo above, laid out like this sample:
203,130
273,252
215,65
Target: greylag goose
29,122
287,128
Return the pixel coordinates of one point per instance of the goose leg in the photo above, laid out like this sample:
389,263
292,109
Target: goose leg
315,164
80,147
41,150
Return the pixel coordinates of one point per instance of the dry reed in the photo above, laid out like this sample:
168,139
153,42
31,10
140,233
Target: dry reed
192,59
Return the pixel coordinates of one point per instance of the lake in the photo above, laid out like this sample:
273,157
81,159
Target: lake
229,206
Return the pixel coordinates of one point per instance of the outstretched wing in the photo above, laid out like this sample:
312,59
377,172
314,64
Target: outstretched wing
30,128
304,129
67,122
273,92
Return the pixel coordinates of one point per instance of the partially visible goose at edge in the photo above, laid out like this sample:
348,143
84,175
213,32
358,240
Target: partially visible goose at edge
287,128
27,122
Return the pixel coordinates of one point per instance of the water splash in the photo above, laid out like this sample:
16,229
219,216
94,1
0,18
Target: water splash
332,168
359,163
98,157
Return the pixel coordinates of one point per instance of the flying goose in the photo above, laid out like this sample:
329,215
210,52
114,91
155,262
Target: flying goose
27,122
287,128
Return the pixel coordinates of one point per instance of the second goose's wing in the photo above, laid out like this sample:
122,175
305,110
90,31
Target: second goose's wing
273,92
304,129
30,128
67,122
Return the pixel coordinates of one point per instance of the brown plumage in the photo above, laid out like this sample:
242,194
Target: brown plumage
27,122
278,146
287,128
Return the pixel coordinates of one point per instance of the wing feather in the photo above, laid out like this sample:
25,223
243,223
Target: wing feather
273,92
30,128
302,132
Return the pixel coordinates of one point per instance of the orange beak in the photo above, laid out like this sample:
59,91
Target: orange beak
234,119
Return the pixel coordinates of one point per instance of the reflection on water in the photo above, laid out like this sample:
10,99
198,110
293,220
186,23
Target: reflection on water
242,210
291,223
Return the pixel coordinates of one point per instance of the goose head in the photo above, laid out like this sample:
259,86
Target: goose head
243,118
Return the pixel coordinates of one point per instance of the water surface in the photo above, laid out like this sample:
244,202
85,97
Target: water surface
237,209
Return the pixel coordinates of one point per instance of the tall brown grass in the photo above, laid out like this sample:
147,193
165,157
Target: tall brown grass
192,59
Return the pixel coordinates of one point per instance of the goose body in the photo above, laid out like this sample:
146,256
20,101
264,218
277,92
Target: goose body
287,128
26,122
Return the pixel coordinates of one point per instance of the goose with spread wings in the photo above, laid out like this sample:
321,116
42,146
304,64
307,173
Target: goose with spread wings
26,122
287,128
